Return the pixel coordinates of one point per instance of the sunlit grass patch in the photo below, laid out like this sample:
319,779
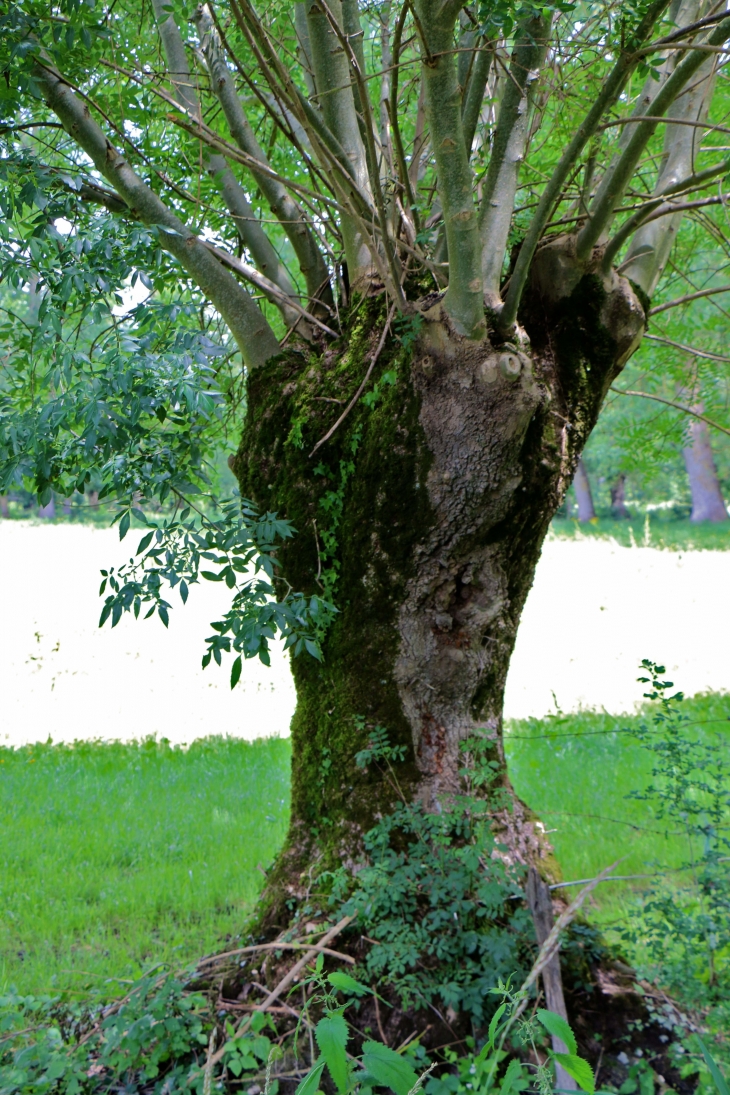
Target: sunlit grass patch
116,856
647,530
576,771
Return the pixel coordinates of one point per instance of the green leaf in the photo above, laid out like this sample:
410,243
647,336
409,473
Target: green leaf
511,1076
332,1035
236,673
489,1044
579,1069
559,1027
310,1083
388,1068
717,1076
124,525
345,983
144,542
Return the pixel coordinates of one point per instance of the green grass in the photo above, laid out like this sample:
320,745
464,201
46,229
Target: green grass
114,857
647,530
575,771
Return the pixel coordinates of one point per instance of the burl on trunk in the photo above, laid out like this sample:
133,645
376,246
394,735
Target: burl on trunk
423,517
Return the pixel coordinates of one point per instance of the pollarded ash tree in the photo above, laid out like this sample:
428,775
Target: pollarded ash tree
427,233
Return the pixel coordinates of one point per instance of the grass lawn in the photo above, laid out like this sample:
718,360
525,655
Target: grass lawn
647,530
115,857
575,771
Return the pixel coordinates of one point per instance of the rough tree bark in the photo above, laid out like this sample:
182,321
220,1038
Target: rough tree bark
447,486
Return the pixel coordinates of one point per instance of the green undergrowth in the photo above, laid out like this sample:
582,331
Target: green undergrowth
115,856
653,530
576,771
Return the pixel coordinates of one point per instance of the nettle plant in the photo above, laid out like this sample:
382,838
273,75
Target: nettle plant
406,1072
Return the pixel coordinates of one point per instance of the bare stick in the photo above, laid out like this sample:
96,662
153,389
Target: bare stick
707,355
214,958
685,300
676,406
285,982
359,391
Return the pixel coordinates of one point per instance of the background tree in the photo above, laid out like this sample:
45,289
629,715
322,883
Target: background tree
427,236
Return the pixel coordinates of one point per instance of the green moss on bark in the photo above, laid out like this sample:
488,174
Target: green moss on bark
292,402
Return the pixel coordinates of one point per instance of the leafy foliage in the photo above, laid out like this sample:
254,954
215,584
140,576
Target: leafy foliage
437,897
149,1038
684,925
241,545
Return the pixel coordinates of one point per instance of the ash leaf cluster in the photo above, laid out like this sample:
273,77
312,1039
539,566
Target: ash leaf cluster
238,548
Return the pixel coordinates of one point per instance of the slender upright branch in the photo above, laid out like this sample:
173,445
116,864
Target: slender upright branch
603,208
247,225
247,324
403,173
284,208
653,242
337,103
463,301
368,127
508,150
608,95
474,92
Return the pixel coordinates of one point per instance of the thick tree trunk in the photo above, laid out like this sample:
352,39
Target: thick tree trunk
583,494
429,507
707,501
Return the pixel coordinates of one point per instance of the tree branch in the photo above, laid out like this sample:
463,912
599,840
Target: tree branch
289,215
403,175
337,103
617,180
247,225
508,150
676,406
270,288
369,130
612,87
474,93
464,299
650,247
706,354
654,207
686,299
247,324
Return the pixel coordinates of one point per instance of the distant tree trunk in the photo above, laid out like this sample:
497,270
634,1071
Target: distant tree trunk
4,511
707,500
584,498
618,499
49,511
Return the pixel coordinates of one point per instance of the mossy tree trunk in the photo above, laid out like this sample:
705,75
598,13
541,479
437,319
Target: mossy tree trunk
424,517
